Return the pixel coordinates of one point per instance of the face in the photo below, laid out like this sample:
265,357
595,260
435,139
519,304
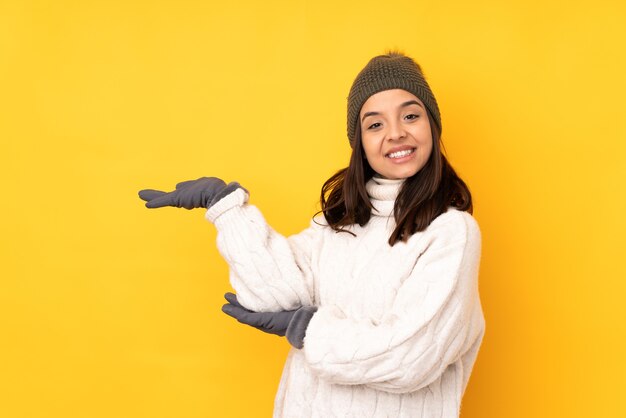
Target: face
395,133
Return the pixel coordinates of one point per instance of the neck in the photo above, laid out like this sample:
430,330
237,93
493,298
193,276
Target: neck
382,193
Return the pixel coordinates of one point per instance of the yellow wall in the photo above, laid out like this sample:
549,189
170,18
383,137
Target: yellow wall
108,309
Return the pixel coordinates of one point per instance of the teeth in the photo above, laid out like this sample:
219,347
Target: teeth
400,154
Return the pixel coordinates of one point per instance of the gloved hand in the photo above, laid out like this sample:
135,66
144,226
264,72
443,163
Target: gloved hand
292,324
201,193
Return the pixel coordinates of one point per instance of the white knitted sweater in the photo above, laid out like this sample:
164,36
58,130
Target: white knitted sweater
397,329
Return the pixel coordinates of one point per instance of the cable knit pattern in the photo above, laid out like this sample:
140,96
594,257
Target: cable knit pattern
397,329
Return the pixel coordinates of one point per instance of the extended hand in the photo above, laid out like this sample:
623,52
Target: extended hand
201,193
292,324
271,322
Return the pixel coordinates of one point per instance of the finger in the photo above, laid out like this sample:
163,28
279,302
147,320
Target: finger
149,194
234,311
241,315
166,199
251,319
228,309
232,298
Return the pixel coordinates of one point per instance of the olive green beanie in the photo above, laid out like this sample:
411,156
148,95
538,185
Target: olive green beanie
393,70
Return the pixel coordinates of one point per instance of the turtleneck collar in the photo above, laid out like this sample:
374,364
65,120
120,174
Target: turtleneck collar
383,193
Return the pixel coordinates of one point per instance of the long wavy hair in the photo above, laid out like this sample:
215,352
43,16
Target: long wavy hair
422,197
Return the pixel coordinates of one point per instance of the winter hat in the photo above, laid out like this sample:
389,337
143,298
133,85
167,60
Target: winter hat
393,70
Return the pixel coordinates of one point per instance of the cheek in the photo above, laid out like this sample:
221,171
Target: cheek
425,142
428,145
370,148
427,149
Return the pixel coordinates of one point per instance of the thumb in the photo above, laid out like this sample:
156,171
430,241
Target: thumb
149,194
232,298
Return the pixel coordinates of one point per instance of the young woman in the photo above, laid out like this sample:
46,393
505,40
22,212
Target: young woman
379,295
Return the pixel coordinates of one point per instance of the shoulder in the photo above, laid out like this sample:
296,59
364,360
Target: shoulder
318,222
312,232
456,225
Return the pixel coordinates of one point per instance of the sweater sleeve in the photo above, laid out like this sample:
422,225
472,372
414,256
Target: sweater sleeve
268,271
435,319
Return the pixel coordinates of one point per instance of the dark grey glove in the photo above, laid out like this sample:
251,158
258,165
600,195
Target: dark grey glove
201,193
292,324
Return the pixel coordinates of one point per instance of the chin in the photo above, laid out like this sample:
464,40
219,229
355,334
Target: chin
402,174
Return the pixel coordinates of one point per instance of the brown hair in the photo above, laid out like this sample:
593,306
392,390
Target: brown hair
422,197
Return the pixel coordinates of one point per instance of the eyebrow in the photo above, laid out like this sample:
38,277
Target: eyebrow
410,102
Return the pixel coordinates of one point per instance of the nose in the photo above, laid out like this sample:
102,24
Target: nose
396,131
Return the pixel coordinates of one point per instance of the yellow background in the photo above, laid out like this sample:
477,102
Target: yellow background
108,309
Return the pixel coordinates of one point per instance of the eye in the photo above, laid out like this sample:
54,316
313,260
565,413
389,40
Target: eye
412,116
374,125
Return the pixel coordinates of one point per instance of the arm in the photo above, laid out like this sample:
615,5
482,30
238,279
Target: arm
271,272
268,271
290,324
436,318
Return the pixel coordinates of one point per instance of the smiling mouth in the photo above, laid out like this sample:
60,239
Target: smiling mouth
400,154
